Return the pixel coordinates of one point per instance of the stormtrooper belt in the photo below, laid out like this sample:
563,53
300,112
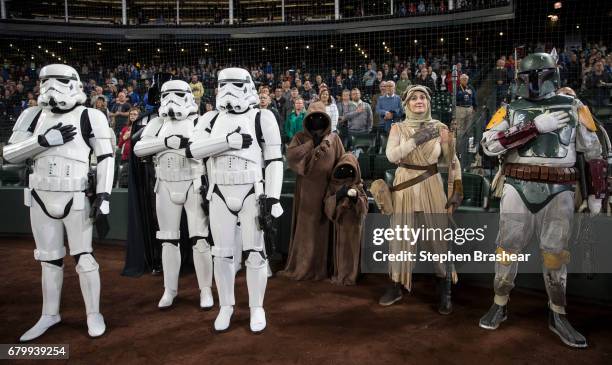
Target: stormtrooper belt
545,174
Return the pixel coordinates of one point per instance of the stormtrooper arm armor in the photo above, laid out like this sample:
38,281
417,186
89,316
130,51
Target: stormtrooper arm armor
101,141
202,145
23,144
273,159
150,143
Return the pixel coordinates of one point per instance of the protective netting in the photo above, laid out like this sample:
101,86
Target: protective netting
289,44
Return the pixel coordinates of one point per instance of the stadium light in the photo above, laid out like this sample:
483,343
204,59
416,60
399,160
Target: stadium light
263,48
158,50
39,47
205,49
70,48
341,50
501,34
383,43
577,26
416,41
229,49
286,47
11,45
467,38
441,39
129,50
59,42
331,46
99,48
182,49
307,47
98,43
46,51
356,45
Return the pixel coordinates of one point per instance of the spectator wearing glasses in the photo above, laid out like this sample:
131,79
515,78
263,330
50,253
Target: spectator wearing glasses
389,107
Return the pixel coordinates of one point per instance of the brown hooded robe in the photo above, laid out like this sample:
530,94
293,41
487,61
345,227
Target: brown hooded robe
313,166
347,214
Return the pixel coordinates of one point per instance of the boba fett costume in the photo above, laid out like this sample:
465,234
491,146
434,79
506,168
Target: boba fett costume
539,137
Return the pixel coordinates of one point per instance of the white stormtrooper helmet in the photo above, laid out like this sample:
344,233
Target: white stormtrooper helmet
60,88
177,101
236,90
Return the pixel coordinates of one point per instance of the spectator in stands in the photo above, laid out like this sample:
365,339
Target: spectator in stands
389,106
208,107
133,96
125,140
449,77
403,82
350,82
330,108
318,83
100,104
119,112
265,102
368,78
599,82
359,120
278,100
466,105
425,79
344,106
336,88
196,89
294,121
308,94
421,7
290,103
502,82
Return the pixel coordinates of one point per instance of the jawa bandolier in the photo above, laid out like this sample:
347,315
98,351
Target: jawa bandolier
541,136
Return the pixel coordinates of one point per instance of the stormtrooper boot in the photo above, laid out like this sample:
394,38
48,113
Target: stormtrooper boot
559,324
202,262
171,262
494,317
52,279
89,278
257,278
224,278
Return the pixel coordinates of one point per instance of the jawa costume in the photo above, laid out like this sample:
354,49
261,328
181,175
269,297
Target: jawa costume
541,136
312,154
346,204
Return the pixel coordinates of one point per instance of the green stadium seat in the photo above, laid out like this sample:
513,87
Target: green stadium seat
12,174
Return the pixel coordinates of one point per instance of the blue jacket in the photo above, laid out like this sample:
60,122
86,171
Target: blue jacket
391,104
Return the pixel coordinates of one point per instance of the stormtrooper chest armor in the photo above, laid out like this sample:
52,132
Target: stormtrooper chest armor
64,167
243,166
172,165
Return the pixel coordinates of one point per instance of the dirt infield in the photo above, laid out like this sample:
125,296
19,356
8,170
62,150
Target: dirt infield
308,322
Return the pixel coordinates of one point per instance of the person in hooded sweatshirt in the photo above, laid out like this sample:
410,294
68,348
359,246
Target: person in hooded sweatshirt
346,204
312,155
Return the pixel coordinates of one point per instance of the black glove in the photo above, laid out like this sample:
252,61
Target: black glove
176,142
342,192
247,140
102,226
425,134
57,135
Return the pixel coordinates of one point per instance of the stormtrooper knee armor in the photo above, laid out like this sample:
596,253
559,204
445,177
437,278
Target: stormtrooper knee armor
179,178
239,142
58,136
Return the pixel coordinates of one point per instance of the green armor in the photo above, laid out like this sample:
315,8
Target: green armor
538,76
549,145
552,145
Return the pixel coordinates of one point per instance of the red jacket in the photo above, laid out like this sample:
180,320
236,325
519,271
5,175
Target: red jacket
125,144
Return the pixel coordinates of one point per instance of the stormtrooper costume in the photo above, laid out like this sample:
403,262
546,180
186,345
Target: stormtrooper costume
58,136
179,179
239,143
539,137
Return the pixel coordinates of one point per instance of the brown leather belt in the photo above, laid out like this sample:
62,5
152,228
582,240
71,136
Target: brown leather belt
430,170
548,174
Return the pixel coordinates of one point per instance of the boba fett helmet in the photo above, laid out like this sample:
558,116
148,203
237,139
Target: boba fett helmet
538,76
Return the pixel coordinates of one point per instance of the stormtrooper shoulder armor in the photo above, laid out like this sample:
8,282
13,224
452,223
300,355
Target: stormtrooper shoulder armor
26,123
